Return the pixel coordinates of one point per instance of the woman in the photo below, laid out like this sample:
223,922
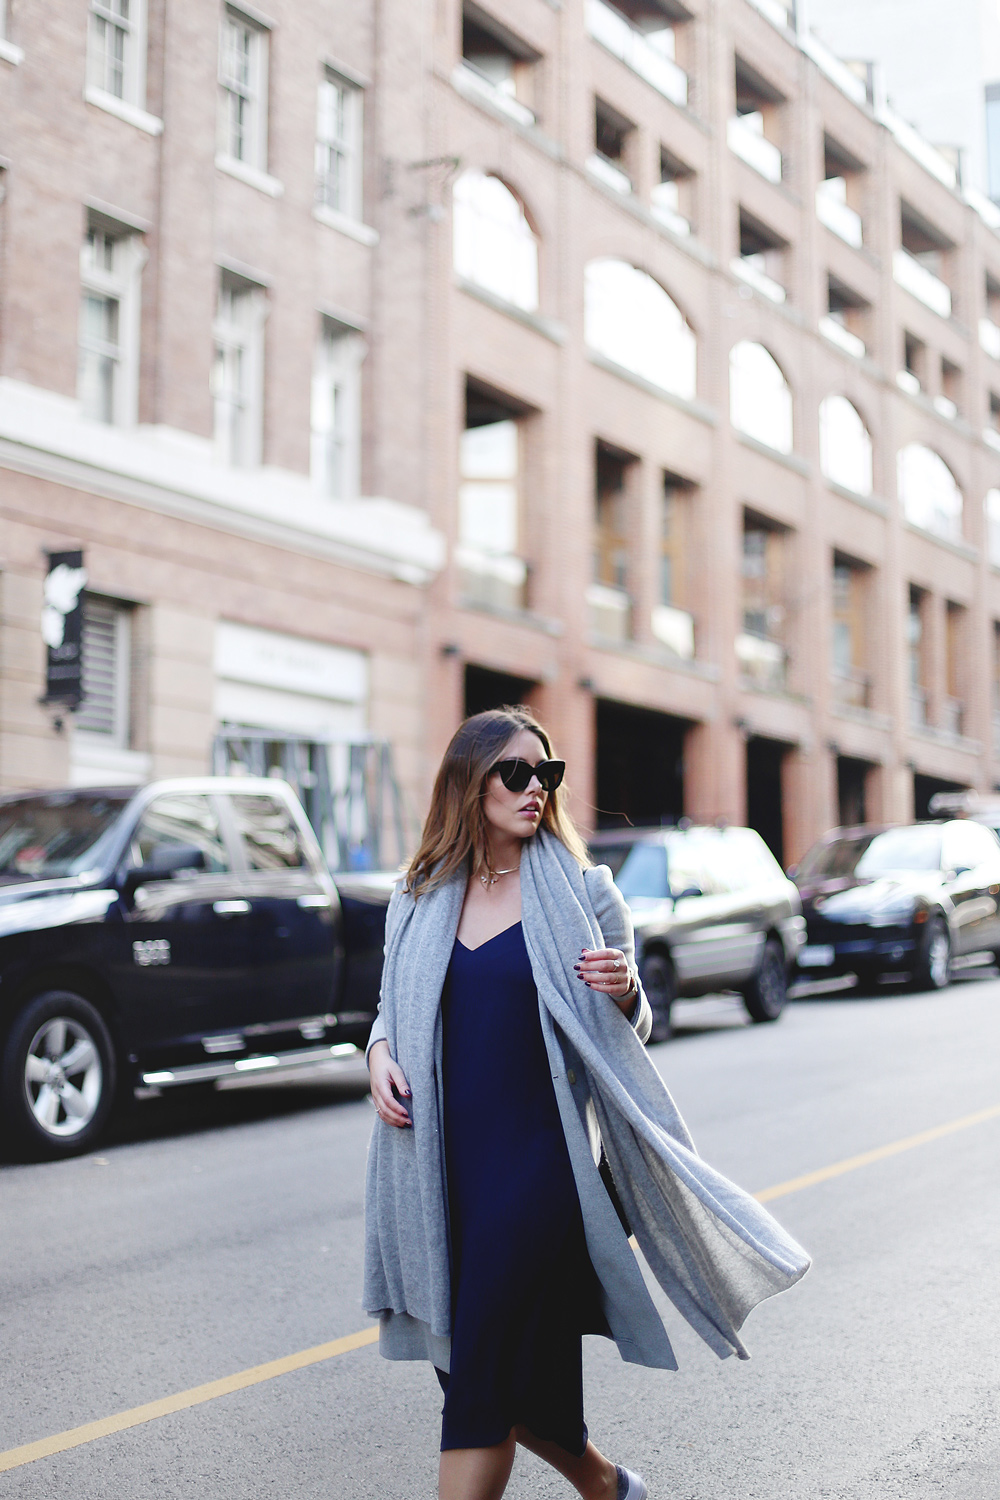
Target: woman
507,1059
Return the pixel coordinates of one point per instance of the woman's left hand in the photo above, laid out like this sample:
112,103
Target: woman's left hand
607,970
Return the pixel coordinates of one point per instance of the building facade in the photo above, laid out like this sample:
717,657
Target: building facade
949,90
191,378
390,362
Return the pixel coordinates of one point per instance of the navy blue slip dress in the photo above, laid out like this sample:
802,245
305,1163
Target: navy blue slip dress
523,1288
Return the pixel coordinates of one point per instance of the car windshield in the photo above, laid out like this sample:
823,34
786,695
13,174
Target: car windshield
55,833
870,855
640,870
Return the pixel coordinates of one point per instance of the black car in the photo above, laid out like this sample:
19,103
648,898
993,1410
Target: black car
712,910
177,934
904,899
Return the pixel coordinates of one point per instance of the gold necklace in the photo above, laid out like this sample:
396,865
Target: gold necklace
492,876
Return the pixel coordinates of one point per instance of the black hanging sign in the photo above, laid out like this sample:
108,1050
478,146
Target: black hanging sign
62,628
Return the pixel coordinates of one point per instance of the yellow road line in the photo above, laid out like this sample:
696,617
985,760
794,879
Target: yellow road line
76,1437
851,1164
15,1458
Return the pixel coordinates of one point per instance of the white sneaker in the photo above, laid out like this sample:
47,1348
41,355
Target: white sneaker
630,1486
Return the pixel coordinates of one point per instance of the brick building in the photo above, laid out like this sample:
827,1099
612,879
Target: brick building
386,364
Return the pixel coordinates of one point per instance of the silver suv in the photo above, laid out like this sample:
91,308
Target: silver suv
712,909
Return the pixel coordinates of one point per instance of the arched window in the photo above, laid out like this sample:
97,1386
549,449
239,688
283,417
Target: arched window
928,491
760,401
629,318
494,245
845,445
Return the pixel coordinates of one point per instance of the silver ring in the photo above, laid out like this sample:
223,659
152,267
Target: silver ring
618,964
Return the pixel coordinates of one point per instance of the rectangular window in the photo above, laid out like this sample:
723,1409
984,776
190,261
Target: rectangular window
672,623
917,656
763,256
243,90
915,359
956,619
492,570
849,657
614,142
608,596
611,551
339,146
755,132
116,49
336,412
108,362
760,649
847,319
238,370
672,198
107,671
993,139
992,507
497,63
271,839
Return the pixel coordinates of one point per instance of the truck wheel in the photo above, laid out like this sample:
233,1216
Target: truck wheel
765,995
58,1078
660,984
932,970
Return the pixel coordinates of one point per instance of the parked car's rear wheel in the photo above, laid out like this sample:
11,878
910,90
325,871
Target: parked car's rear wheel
933,967
660,984
58,1083
766,993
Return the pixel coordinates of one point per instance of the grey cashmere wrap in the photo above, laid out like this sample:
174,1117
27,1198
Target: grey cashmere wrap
712,1248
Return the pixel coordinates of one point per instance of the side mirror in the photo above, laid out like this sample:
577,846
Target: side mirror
164,862
689,890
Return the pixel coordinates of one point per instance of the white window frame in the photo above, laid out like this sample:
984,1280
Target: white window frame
335,418
253,89
9,53
348,144
120,283
238,332
103,18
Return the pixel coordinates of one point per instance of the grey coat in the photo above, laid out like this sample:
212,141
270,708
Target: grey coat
714,1250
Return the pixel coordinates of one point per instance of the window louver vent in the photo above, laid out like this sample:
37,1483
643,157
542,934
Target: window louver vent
99,711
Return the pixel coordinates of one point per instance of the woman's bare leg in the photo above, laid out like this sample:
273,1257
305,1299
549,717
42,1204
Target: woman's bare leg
592,1474
476,1473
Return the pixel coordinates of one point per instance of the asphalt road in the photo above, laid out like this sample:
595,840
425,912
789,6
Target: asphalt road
207,1238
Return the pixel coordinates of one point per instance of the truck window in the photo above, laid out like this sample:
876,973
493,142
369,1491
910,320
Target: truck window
270,835
185,819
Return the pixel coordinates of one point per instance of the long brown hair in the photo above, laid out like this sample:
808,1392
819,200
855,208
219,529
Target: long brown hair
455,832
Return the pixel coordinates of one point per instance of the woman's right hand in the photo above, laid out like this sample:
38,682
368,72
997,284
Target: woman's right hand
384,1073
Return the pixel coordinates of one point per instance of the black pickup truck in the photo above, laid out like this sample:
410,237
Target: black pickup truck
177,934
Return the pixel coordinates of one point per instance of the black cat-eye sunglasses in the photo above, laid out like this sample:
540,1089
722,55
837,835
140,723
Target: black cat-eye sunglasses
516,774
